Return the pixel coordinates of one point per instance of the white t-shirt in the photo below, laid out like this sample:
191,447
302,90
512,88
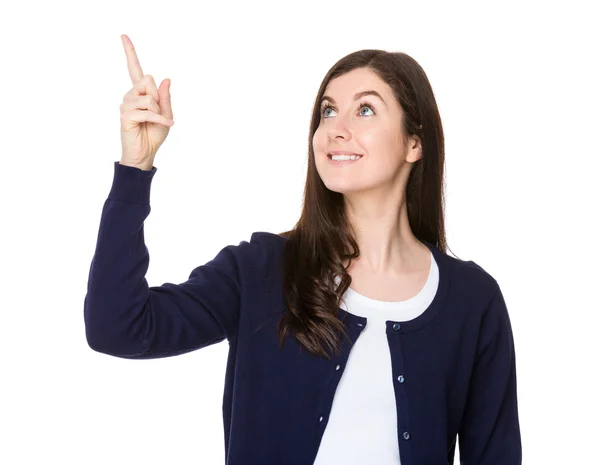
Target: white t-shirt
364,405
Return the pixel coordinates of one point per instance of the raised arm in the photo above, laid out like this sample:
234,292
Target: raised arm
125,317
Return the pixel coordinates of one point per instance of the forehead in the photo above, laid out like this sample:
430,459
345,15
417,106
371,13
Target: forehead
357,80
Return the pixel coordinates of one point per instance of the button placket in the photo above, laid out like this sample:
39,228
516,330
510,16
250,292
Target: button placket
338,367
396,327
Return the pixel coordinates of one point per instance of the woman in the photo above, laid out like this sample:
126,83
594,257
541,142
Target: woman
416,355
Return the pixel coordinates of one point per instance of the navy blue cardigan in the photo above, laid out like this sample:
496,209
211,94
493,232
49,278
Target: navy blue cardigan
453,366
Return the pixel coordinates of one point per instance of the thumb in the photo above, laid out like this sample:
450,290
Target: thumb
164,94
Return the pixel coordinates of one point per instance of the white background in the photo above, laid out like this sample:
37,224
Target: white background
517,85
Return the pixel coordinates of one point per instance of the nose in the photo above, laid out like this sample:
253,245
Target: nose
339,127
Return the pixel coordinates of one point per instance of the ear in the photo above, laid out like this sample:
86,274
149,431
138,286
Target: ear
415,151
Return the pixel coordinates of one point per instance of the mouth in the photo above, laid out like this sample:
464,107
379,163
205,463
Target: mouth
343,159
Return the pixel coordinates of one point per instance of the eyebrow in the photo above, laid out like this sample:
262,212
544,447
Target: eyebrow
357,96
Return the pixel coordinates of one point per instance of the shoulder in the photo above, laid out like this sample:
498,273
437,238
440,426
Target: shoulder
470,278
267,238
256,256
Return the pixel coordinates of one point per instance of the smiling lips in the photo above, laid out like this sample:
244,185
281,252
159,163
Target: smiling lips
341,152
343,158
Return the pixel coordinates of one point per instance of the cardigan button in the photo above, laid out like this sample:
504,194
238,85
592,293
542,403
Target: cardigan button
401,378
337,367
396,326
406,435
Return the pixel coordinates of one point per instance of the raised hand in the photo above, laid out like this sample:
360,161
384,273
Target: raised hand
146,114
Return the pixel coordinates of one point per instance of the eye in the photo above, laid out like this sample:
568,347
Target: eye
361,106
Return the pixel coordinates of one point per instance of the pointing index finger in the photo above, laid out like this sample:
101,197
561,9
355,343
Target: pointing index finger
133,64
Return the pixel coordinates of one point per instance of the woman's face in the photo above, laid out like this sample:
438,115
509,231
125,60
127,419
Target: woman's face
367,126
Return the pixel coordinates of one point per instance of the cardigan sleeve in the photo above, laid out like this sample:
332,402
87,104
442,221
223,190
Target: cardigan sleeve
489,432
127,318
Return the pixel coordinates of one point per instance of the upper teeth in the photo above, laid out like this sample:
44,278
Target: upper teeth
345,157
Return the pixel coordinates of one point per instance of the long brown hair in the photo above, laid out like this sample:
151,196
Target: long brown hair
322,240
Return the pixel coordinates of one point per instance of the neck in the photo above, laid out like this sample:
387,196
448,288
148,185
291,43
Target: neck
382,231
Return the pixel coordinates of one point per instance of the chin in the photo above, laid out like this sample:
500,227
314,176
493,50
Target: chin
340,187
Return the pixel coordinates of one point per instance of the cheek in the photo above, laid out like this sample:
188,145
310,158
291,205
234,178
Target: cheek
382,142
373,139
318,142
